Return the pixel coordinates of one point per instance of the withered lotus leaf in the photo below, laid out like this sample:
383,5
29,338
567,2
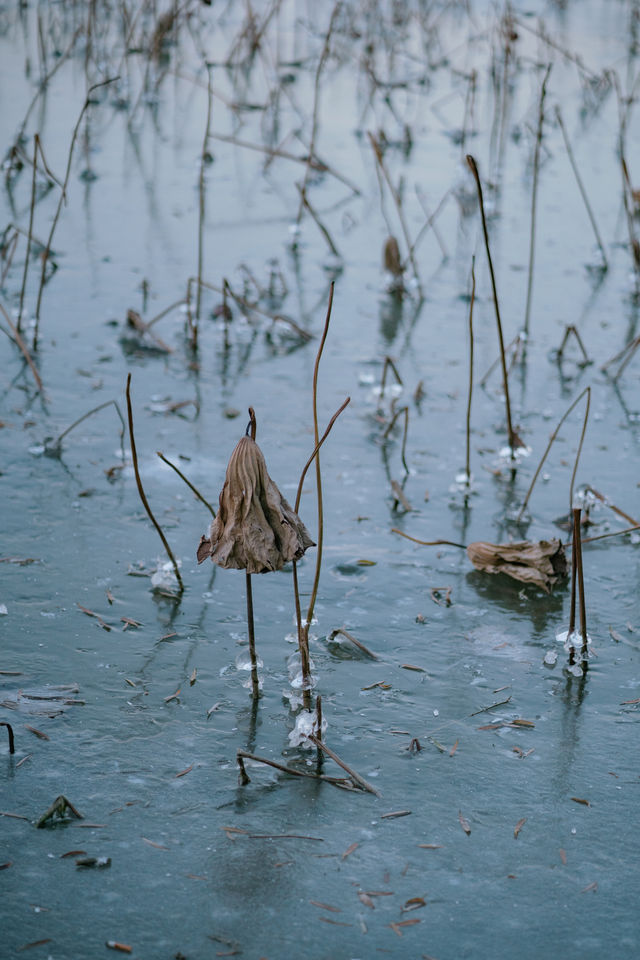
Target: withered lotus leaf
255,528
541,563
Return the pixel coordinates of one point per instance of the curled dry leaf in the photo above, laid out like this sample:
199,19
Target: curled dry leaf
255,528
541,563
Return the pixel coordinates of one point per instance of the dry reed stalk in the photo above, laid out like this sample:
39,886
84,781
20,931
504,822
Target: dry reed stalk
360,781
143,496
15,336
357,643
624,356
470,391
571,330
534,196
318,222
204,159
586,392
377,152
513,439
389,428
63,196
36,141
188,483
245,304
581,187
314,113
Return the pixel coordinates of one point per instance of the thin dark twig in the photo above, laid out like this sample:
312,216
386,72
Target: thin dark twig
201,209
360,781
505,379
255,682
587,391
15,336
614,533
534,196
358,643
58,441
583,192
143,496
30,231
188,483
471,303
390,426
428,543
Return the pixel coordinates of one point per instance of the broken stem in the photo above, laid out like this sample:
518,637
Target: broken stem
143,496
188,483
255,683
505,380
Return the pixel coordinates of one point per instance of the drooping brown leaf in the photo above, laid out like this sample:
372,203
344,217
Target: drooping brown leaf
255,528
541,563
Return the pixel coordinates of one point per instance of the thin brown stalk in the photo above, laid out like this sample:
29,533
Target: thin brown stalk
188,482
318,222
360,781
316,106
15,336
601,497
583,192
243,755
470,393
390,426
534,196
580,579
586,392
377,151
624,356
388,365
428,543
255,682
63,197
572,608
354,640
201,210
505,379
226,289
303,630
36,140
8,251
614,533
314,161
571,330
143,496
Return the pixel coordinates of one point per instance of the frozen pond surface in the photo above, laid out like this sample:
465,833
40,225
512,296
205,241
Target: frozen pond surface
501,832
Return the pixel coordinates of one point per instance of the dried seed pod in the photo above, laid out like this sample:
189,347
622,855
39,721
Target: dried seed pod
541,563
255,529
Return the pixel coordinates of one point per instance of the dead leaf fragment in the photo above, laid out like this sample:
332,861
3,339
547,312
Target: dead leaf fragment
541,563
173,696
592,886
464,823
518,827
366,900
325,906
394,814
454,748
151,843
184,772
397,927
585,803
116,945
563,856
38,733
414,903
349,851
192,678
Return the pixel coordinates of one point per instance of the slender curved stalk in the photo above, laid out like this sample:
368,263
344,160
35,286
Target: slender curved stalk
21,344
471,303
587,391
428,543
505,378
143,496
36,141
534,196
188,483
